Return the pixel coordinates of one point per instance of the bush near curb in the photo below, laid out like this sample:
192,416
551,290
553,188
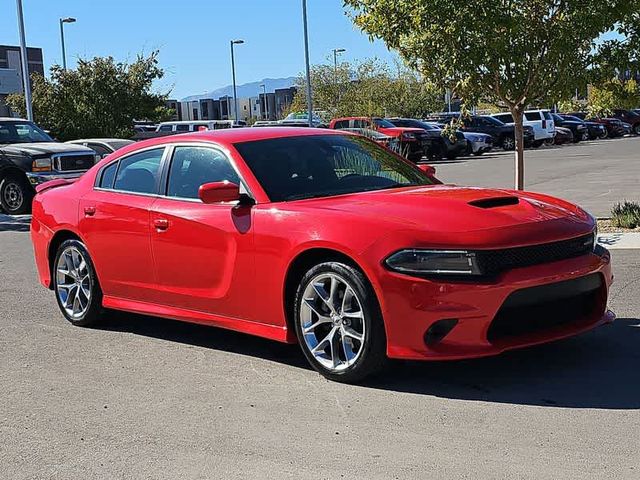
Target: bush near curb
626,215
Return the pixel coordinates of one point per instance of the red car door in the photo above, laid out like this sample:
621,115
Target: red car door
203,252
114,222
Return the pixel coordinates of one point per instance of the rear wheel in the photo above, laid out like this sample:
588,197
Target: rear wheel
585,136
76,285
604,134
338,323
15,195
434,153
636,129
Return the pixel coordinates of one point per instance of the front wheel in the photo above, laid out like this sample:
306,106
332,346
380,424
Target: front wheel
76,284
338,323
508,143
15,195
636,129
585,136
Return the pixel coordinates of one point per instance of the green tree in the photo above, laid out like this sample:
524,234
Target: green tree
368,88
101,98
516,52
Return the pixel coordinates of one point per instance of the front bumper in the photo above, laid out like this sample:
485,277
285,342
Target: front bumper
412,305
36,178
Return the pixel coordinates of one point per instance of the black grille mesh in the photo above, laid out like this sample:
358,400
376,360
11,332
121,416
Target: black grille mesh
493,262
75,162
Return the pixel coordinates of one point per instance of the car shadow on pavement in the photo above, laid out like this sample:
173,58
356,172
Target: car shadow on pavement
204,336
599,369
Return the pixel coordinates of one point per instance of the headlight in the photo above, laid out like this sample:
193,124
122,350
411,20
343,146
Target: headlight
41,165
434,262
408,136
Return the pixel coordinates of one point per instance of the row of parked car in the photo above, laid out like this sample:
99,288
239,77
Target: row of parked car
29,156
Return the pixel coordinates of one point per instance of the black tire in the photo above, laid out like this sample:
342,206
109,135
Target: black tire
585,136
15,195
91,314
371,357
508,143
604,134
451,155
434,153
636,129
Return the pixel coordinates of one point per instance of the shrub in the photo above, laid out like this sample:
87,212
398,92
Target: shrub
626,215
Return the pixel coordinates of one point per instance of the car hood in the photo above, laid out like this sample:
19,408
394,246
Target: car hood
44,148
446,215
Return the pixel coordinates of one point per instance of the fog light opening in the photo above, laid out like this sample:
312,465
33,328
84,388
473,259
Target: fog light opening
438,330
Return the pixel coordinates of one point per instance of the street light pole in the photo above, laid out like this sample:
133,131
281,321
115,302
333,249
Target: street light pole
24,62
336,51
64,53
233,74
266,104
306,60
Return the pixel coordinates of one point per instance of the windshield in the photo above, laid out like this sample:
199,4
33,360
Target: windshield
22,132
292,168
381,122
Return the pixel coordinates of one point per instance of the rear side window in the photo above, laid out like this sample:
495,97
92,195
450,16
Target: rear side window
138,173
192,167
166,128
341,124
532,116
182,128
505,117
108,175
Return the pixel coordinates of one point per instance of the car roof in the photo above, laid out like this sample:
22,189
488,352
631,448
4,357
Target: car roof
229,136
102,140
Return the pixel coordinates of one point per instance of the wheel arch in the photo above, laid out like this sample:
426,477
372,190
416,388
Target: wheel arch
58,238
301,263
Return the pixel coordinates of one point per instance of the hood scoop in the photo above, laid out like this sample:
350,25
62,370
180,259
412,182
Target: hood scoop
495,202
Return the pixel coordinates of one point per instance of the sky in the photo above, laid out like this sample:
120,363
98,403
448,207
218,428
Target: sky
193,38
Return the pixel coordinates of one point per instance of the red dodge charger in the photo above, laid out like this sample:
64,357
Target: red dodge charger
323,238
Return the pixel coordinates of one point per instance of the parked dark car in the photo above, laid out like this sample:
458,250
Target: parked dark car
563,135
594,130
577,127
503,134
438,145
630,117
613,125
28,157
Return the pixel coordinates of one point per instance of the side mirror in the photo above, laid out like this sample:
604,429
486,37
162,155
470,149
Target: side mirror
217,192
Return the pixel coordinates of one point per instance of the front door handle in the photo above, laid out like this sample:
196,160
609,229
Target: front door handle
89,211
161,224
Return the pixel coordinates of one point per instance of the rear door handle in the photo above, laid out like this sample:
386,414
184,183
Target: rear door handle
89,211
161,224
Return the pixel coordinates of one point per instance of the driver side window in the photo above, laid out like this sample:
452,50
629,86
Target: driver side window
192,167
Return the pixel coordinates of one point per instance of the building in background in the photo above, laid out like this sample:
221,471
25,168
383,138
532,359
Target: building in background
175,106
11,72
277,103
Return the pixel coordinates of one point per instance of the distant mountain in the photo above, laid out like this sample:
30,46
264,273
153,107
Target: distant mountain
252,89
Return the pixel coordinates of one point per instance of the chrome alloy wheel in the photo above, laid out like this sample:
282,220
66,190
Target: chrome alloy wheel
13,195
332,321
73,282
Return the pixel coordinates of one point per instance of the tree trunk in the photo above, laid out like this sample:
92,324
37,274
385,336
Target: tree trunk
517,114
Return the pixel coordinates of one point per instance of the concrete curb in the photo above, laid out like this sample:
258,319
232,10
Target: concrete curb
619,241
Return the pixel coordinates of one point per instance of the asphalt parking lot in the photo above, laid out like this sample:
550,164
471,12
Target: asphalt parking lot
594,174
147,398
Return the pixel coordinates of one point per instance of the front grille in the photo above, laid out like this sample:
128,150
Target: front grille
72,162
546,307
493,262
